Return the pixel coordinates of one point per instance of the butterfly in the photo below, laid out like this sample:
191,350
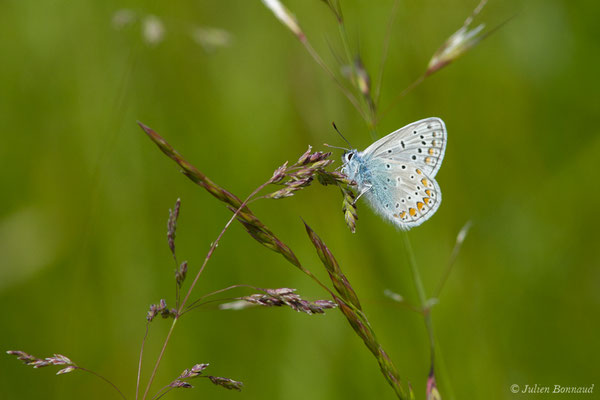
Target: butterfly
396,173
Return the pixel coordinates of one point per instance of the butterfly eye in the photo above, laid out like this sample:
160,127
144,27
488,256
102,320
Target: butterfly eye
349,156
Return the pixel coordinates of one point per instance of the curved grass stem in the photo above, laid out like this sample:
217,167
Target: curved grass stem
139,372
104,379
457,246
192,304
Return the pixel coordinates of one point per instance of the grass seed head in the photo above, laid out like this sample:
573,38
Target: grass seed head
172,226
285,17
226,383
287,297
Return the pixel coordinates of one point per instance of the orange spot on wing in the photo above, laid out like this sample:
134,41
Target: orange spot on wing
427,200
419,171
431,151
425,182
420,206
412,212
428,192
403,214
428,160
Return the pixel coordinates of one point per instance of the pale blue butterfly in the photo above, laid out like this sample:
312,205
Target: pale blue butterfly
396,173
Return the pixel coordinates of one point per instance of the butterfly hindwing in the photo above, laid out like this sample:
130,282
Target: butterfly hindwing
407,197
421,144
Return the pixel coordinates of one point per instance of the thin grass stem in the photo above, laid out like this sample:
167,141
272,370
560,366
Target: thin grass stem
165,389
139,372
217,292
384,55
448,392
216,242
403,93
177,295
160,356
313,53
104,379
414,269
457,246
200,304
368,117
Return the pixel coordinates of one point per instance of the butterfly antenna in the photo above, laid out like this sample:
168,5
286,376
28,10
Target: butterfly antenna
335,147
340,133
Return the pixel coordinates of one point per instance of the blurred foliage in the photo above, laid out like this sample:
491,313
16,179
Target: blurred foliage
86,196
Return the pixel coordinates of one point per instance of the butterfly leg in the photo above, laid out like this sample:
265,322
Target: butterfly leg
365,190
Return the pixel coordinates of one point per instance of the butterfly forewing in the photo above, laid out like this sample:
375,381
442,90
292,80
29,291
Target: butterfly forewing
421,144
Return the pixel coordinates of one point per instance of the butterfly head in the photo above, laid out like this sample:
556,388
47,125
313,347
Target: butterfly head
351,163
349,155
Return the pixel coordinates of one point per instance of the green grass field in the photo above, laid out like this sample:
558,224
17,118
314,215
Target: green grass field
86,197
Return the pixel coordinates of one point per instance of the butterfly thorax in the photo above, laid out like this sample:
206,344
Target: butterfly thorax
355,168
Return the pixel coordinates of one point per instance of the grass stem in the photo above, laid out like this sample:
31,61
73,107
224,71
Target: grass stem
139,372
104,379
414,269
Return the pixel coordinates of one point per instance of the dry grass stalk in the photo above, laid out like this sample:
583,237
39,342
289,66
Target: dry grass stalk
243,214
172,227
197,372
458,43
349,305
57,359
288,297
162,310
35,362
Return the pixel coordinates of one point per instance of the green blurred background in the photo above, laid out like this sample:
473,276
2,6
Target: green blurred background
86,197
